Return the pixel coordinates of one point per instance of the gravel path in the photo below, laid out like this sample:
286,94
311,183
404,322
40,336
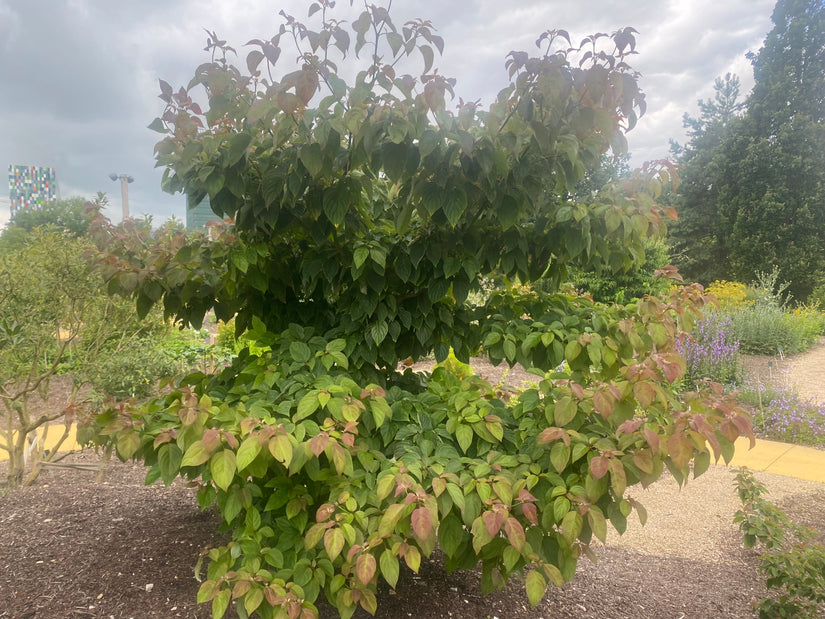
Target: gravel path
803,373
807,373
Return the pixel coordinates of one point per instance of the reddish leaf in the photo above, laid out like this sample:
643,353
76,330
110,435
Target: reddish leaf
422,523
492,522
318,443
652,439
324,512
629,426
365,566
644,460
599,466
211,439
603,403
515,533
550,434
530,512
680,450
644,393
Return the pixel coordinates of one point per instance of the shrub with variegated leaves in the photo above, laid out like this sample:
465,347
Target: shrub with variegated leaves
366,215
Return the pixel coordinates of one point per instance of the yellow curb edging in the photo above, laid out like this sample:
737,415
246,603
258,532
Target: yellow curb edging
53,434
781,459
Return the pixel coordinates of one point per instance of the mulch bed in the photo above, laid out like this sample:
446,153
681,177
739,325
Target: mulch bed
70,547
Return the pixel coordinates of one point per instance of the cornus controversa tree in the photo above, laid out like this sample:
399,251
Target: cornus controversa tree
364,215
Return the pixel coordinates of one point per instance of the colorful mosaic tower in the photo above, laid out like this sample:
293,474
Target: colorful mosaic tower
30,187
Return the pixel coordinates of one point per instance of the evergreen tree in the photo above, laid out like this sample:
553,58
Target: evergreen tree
697,239
754,195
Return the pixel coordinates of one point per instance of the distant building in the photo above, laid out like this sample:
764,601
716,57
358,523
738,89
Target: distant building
30,187
198,215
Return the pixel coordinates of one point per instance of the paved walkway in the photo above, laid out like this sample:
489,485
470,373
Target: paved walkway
781,459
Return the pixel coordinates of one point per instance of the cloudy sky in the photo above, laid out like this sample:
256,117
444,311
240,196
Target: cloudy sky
79,77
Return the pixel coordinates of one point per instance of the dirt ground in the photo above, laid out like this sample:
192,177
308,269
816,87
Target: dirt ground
72,548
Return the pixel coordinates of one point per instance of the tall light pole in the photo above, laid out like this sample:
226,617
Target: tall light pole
125,179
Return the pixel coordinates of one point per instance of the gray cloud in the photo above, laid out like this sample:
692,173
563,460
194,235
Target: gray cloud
80,76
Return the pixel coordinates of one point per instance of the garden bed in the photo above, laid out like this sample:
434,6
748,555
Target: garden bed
73,548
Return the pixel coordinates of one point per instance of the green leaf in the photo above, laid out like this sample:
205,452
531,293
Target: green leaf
128,442
220,604
360,256
306,406
464,435
334,542
510,350
169,460
313,159
535,586
507,212
571,526
389,567
222,466
701,463
195,455
238,145
300,352
380,411
564,411
394,157
206,591
253,599
337,201
559,456
450,534
481,535
281,448
597,522
247,452
454,205
157,125
378,331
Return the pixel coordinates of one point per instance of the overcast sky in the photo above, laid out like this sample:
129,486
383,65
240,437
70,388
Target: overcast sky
79,78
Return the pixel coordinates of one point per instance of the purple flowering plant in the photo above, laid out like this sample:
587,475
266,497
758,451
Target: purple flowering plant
790,419
710,351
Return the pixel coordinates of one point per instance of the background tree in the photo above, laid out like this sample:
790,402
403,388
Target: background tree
698,238
365,212
72,215
755,197
54,314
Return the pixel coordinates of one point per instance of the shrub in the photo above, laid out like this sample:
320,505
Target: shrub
710,351
361,229
817,297
54,316
765,329
729,295
625,287
792,563
134,371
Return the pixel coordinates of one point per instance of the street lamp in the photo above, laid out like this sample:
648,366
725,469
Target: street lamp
125,179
